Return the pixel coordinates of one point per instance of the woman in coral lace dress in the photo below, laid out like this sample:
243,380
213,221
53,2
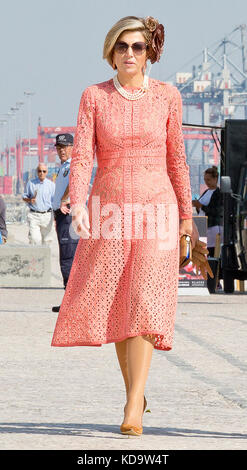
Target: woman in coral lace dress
123,283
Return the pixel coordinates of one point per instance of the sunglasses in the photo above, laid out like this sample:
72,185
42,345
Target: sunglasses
138,47
42,171
60,147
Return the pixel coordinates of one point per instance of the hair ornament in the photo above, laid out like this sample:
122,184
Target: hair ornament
156,38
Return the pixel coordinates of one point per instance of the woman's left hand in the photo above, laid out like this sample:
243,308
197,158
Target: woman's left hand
195,234
185,227
188,227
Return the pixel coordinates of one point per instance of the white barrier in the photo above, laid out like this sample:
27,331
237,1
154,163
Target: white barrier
25,266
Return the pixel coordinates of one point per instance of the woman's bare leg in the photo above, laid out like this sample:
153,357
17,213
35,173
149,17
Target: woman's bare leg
121,350
139,354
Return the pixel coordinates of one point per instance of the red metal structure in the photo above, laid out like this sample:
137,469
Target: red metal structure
46,139
43,147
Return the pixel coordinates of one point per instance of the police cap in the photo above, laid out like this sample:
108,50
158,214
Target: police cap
64,139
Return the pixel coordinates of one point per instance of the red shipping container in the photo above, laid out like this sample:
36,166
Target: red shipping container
7,185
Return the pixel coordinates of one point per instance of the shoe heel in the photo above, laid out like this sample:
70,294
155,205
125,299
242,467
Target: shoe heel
127,429
145,406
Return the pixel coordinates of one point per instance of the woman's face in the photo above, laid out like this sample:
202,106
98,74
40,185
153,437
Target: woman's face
130,63
210,181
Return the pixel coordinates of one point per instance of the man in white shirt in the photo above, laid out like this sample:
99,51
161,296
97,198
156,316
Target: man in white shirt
39,195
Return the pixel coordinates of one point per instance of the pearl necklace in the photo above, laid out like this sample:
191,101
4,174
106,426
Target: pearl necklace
131,96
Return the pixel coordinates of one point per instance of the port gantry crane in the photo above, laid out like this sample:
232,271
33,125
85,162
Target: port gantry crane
217,86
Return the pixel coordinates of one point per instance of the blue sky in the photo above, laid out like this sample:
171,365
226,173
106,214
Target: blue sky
54,48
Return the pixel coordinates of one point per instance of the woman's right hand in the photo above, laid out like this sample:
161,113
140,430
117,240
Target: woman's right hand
80,221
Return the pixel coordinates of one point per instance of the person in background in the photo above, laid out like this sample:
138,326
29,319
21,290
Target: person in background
39,195
210,204
61,208
3,229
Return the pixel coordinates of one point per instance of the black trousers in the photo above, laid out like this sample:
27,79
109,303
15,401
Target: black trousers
211,251
211,283
67,245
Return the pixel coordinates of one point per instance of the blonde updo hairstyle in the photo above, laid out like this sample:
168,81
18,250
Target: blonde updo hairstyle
152,31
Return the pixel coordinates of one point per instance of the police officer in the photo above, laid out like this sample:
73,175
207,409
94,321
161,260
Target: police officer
61,208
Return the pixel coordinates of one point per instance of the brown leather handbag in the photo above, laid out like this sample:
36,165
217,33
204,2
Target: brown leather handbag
198,256
185,256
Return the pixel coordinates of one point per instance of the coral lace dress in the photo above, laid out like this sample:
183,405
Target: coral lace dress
124,277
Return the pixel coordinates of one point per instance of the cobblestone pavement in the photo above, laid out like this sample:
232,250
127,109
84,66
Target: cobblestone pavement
73,398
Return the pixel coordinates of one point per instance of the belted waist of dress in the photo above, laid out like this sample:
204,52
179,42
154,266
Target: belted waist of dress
127,160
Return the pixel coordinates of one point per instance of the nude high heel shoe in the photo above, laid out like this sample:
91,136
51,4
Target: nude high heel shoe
133,430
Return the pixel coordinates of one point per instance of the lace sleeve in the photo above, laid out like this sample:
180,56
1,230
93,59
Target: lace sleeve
83,151
177,168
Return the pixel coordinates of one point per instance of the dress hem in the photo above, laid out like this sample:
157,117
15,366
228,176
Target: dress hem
84,343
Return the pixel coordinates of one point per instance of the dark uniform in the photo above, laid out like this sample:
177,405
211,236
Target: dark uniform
67,244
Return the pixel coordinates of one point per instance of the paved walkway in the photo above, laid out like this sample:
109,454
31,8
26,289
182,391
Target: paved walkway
73,398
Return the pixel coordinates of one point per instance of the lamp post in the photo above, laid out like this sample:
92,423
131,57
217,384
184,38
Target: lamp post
14,110
10,115
20,104
29,95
